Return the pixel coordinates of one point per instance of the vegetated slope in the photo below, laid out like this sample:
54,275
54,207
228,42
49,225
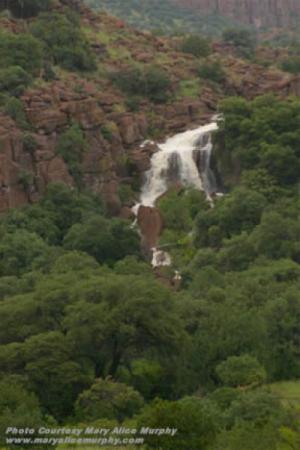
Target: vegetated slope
164,16
257,13
88,335
84,92
208,16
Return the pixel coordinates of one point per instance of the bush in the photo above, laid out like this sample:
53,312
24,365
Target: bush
212,71
242,370
291,65
107,399
152,82
29,143
14,108
243,40
27,8
108,241
64,41
71,145
196,45
21,50
14,80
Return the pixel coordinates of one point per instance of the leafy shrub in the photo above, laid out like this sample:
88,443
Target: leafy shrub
71,145
152,82
196,45
107,399
243,40
25,179
108,241
27,8
241,370
65,43
212,71
18,251
291,64
29,143
14,108
108,130
14,80
21,50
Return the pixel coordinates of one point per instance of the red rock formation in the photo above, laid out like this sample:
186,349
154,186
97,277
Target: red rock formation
150,224
260,13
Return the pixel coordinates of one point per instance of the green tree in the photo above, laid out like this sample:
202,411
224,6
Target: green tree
27,8
108,399
21,50
13,81
66,206
195,420
107,240
152,82
19,408
212,71
19,250
243,370
71,146
54,375
196,45
64,40
291,65
121,318
243,40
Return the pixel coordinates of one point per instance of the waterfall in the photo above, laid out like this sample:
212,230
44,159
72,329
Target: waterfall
183,159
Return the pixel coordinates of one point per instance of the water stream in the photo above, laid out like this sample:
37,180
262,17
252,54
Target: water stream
183,159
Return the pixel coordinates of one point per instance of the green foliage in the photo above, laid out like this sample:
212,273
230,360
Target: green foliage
54,374
21,50
14,108
108,399
262,134
164,16
180,207
151,82
196,45
291,65
18,251
64,41
195,420
19,406
108,241
14,80
241,211
212,71
28,8
29,142
146,376
243,40
71,146
242,370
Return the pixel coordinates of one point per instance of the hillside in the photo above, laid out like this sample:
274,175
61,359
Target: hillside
112,122
149,236
206,16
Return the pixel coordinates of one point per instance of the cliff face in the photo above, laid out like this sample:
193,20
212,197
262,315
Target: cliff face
260,13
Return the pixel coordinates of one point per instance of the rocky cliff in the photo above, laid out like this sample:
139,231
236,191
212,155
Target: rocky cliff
112,128
259,13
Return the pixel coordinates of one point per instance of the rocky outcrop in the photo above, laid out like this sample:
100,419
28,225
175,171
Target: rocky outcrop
150,225
258,13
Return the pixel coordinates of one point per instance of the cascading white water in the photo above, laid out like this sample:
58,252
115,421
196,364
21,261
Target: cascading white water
184,159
